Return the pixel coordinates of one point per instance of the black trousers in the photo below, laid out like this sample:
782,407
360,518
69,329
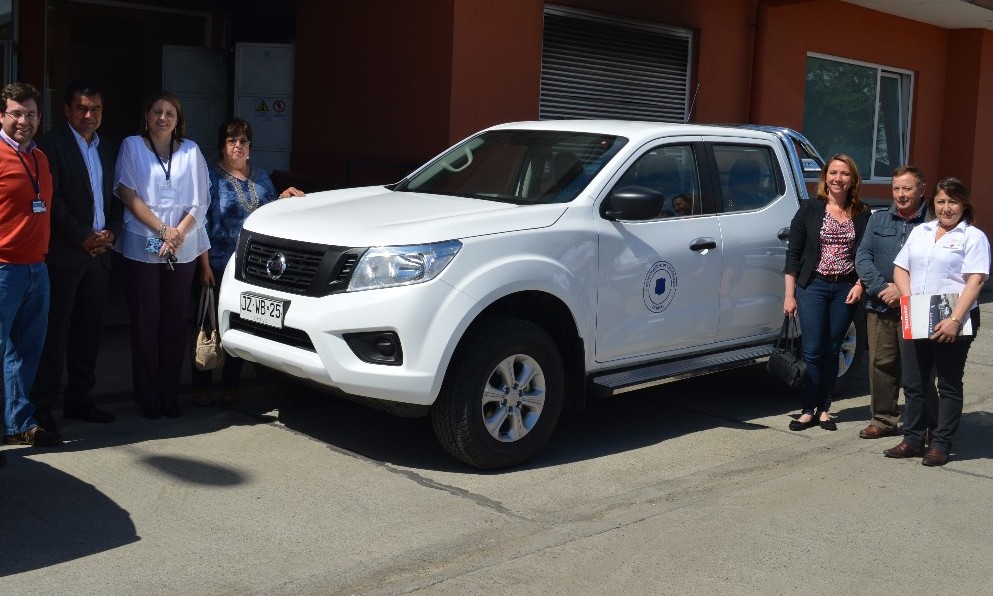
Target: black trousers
75,327
919,357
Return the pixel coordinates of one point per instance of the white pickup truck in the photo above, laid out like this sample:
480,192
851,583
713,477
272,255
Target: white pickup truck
532,267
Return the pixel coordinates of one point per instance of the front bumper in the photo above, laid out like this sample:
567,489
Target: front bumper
428,318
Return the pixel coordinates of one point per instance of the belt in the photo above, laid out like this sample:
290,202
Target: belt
834,278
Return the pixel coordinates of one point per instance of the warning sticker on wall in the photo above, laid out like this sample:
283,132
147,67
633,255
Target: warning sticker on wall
270,108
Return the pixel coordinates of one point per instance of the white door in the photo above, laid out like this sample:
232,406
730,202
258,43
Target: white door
755,222
198,77
659,280
263,80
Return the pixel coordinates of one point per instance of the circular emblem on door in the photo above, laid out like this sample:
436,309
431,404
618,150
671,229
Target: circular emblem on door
276,266
660,286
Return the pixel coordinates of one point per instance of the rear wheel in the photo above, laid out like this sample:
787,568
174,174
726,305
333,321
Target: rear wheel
852,353
502,396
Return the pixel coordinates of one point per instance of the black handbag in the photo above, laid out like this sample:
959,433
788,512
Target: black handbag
785,364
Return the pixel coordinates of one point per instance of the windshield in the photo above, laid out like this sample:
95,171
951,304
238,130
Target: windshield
518,166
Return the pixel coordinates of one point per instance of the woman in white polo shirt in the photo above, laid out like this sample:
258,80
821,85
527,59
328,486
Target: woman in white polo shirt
945,255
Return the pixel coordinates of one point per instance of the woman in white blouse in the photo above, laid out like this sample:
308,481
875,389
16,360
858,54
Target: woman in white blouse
945,255
162,180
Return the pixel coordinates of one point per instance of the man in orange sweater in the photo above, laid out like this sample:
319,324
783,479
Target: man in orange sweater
25,227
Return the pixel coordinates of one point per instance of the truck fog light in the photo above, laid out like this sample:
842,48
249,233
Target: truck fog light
376,347
386,346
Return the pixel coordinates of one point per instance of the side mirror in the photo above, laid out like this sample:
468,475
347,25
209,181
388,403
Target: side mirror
811,169
632,203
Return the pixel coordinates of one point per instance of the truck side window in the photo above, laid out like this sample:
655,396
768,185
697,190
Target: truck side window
672,171
749,178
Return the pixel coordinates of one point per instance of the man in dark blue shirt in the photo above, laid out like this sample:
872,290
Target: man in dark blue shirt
884,237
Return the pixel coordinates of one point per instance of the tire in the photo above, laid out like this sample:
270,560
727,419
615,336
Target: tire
502,396
852,353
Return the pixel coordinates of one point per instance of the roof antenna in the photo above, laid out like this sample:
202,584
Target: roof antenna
692,104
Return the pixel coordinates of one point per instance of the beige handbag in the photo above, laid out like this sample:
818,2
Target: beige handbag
207,352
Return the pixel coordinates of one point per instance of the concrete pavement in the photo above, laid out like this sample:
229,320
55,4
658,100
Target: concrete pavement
693,488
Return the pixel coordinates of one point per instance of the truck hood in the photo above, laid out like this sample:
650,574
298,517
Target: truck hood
375,216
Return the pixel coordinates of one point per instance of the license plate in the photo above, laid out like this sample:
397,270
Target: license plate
267,311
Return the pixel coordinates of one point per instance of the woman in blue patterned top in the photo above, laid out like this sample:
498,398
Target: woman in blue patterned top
236,190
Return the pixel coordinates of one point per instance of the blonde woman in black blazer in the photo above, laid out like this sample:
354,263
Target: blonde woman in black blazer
822,286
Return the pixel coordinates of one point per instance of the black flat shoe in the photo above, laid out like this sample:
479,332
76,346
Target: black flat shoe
171,411
797,425
828,424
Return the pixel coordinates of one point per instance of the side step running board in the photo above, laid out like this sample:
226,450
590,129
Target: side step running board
617,382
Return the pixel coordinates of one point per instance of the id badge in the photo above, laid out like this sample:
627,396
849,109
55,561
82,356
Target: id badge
168,195
38,206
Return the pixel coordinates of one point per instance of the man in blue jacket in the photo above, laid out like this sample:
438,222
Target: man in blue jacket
884,237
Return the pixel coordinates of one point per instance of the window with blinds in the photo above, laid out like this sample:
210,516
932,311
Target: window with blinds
595,66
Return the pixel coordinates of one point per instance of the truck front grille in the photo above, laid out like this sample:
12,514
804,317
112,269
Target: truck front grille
301,265
310,269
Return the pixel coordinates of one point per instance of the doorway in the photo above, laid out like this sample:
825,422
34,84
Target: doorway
119,49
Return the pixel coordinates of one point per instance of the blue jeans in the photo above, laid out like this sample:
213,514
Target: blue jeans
24,292
824,320
920,357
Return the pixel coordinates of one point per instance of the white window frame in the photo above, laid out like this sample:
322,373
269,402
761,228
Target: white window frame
906,79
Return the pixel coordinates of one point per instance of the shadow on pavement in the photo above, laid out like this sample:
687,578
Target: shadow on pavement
972,441
77,520
130,428
606,427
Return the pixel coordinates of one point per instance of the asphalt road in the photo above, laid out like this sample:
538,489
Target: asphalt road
693,488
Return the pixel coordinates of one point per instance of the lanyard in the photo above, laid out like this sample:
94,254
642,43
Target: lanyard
167,172
33,177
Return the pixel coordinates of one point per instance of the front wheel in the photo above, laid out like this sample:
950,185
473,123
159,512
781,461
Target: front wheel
502,396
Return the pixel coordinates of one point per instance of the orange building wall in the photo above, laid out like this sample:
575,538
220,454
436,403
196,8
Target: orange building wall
496,64
787,32
394,82
722,58
967,139
424,75
371,89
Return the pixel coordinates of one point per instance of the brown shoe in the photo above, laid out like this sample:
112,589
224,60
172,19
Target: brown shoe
876,432
37,436
904,450
935,457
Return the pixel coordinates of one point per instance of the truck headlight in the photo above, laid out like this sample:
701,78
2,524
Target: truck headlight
386,266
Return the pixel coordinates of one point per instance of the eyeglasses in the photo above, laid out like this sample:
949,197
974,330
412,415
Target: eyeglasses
26,116
242,142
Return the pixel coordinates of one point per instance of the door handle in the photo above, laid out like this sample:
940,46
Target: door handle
784,234
703,244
